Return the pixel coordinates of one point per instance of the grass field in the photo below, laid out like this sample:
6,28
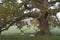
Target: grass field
14,34
17,37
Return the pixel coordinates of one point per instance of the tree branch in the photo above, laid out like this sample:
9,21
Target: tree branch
55,11
34,15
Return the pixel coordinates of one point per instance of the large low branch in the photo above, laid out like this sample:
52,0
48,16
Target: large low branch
34,15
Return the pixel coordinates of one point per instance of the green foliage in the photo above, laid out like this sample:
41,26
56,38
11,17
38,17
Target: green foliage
9,10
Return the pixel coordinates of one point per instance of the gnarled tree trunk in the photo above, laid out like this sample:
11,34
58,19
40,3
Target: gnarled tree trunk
44,27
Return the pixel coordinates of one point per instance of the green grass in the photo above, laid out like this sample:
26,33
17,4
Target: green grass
18,37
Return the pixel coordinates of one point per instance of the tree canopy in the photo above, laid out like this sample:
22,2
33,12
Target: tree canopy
12,12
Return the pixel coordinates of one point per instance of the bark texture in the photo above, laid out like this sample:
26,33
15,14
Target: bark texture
44,27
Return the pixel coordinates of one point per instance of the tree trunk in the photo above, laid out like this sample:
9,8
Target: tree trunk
44,27
0,33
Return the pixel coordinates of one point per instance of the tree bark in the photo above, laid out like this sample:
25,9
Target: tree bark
0,32
44,27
